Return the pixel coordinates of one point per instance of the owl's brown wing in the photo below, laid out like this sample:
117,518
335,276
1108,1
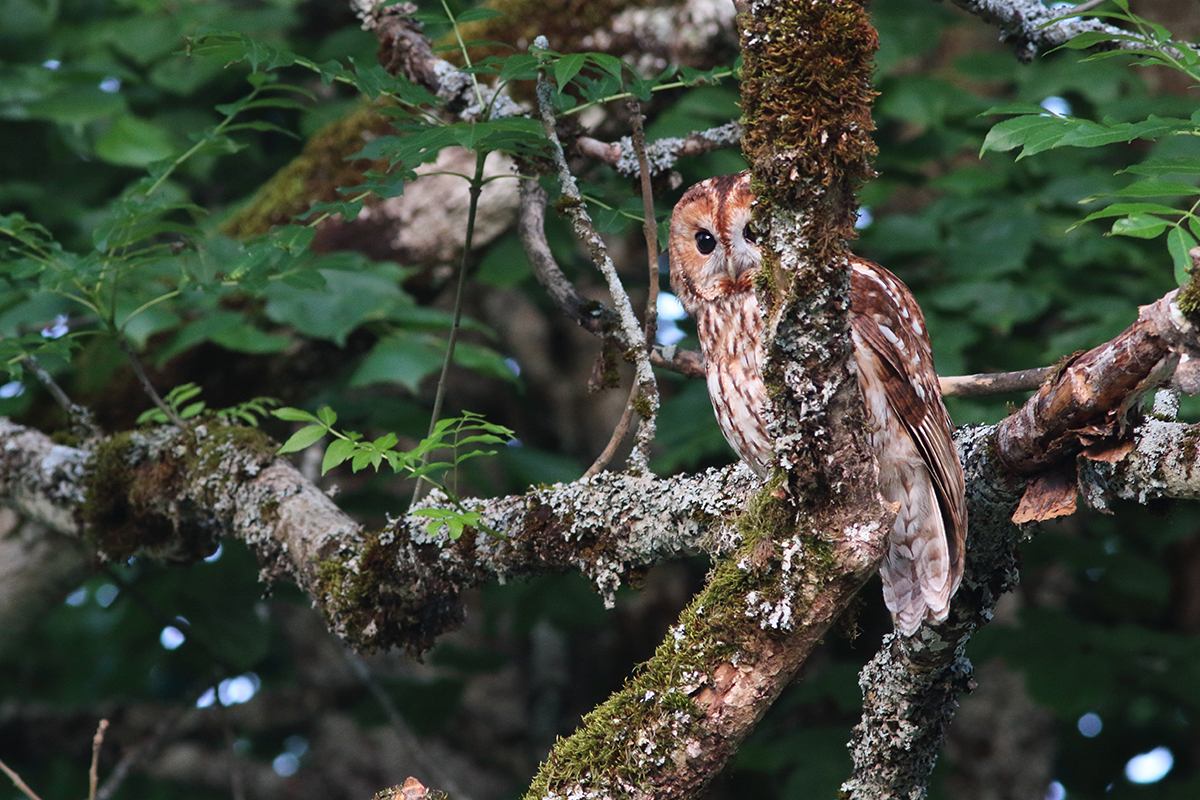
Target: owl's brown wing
888,319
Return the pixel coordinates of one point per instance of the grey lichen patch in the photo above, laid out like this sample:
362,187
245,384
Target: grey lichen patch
612,521
1165,462
663,153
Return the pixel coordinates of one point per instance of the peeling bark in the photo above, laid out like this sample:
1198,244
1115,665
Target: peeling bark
1088,400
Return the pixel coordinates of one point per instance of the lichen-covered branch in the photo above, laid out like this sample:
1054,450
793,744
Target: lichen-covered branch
1033,27
663,153
38,567
171,493
646,386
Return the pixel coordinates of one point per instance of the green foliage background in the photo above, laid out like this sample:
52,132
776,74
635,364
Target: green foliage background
95,96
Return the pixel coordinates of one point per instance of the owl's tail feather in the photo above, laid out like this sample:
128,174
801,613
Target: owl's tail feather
916,569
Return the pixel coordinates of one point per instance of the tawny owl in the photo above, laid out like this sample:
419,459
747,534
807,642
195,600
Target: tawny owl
714,257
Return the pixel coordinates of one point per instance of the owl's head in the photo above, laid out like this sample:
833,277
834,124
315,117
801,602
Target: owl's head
713,246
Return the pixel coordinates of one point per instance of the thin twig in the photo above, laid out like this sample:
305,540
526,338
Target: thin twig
645,434
630,331
146,385
614,441
475,189
237,782
20,784
82,423
440,777
94,771
162,731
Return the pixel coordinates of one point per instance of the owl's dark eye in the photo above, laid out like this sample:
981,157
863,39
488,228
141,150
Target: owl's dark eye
749,233
705,242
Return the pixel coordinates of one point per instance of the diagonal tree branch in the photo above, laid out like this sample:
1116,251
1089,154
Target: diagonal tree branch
1032,27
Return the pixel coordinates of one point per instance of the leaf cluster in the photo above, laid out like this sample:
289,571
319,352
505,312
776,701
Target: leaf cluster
459,435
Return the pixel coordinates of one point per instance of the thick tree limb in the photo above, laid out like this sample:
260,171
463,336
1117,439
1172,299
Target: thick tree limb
1087,402
911,686
171,493
38,567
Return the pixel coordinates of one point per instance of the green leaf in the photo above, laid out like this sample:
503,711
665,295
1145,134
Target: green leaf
193,410
484,361
1141,226
245,338
477,15
1089,39
338,451
1126,209
305,437
134,142
1150,187
519,67
1159,166
1032,134
290,414
345,301
76,105
327,416
567,68
404,358
1180,244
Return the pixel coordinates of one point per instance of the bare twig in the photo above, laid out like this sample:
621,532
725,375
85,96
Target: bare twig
987,384
614,441
630,330
146,385
419,755
237,781
94,771
662,154
166,726
20,784
82,422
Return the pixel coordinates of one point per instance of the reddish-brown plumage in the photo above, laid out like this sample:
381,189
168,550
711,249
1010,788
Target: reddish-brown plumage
714,257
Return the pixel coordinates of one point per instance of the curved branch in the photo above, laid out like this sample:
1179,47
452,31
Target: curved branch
591,315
